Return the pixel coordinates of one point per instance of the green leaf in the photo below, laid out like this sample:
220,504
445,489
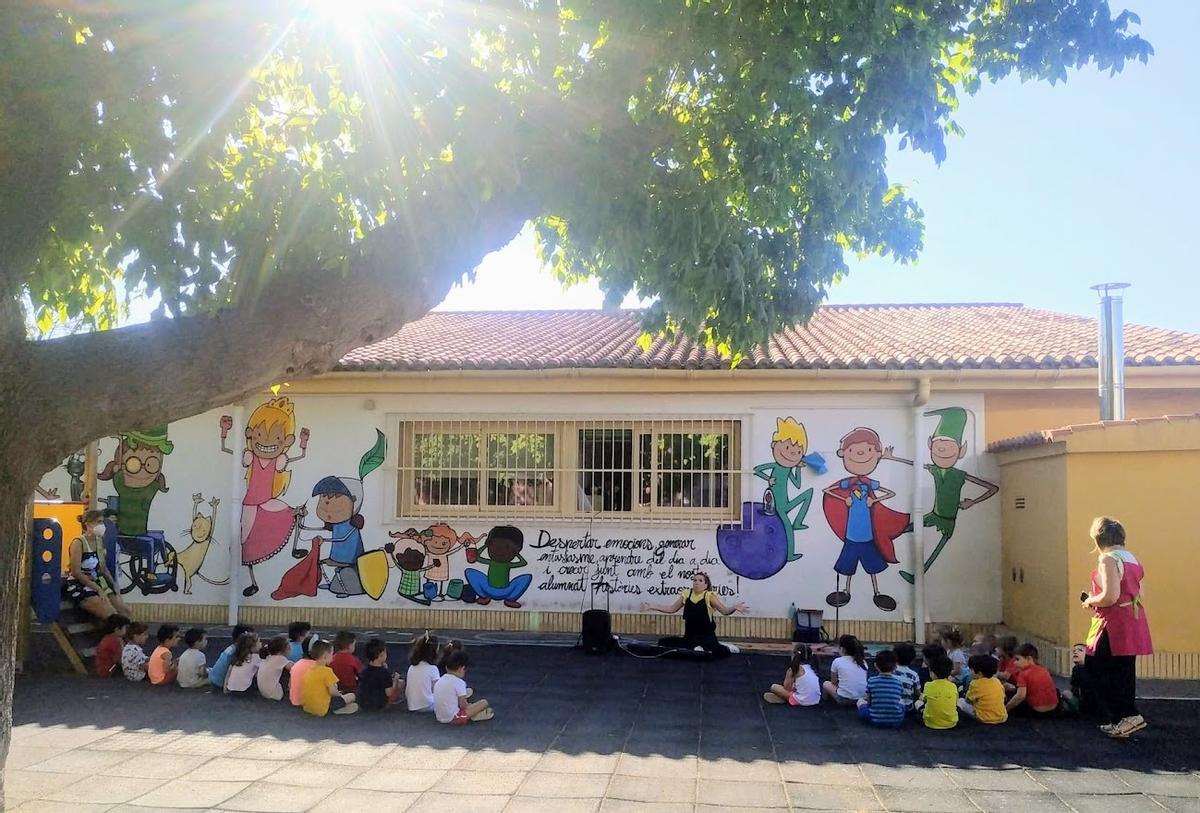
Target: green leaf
374,458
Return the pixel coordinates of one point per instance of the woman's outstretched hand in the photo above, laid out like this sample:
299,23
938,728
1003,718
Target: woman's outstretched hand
742,607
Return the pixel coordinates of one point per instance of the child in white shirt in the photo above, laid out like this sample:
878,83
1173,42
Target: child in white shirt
801,686
848,674
423,673
244,664
193,667
450,694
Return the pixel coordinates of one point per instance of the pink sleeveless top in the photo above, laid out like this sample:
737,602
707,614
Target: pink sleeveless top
1125,622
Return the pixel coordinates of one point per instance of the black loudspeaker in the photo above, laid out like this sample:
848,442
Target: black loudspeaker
596,635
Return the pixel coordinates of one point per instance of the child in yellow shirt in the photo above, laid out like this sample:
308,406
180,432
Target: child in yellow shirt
985,696
319,685
940,696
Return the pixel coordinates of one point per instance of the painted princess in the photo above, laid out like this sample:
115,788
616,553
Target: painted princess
267,521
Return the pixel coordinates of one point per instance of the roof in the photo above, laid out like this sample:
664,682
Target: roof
872,337
1064,433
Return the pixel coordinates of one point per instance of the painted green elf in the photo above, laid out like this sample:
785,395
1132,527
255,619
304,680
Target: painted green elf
137,476
946,448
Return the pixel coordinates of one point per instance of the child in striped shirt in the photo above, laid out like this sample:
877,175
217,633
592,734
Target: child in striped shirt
884,703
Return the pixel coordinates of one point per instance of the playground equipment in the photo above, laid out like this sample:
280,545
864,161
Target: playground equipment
73,630
147,561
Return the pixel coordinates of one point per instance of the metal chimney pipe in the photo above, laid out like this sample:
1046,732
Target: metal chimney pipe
1112,351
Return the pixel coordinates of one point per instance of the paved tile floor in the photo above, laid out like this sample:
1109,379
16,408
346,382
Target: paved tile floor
573,733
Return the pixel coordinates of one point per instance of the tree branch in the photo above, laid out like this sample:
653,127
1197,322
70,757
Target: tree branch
86,386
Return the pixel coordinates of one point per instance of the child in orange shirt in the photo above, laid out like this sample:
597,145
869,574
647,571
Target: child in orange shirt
162,667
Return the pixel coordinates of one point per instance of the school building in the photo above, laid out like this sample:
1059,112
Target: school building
504,470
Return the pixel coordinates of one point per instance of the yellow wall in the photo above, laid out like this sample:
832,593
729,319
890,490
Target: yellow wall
1154,495
1018,412
1033,545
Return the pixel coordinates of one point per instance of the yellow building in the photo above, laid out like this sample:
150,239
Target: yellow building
1144,472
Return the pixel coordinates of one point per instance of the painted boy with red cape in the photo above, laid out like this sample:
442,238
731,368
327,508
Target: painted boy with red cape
855,511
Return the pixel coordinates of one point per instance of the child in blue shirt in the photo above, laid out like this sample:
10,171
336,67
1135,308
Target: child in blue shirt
217,672
297,632
884,703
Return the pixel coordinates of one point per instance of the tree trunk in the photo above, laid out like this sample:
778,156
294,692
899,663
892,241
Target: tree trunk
16,482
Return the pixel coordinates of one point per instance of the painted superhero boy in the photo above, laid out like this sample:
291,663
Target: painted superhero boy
946,448
855,512
789,444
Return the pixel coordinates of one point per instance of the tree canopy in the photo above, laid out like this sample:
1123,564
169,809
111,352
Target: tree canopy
719,157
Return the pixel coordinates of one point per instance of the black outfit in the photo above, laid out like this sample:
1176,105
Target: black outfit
699,629
373,685
1114,678
89,562
1083,687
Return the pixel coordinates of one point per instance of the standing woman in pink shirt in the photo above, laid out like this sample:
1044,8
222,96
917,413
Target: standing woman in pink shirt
1120,630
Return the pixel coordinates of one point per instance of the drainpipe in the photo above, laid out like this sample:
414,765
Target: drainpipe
237,487
920,399
1112,351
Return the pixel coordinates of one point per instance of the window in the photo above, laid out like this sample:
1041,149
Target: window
614,469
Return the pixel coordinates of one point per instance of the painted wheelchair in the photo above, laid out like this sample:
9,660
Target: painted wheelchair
147,562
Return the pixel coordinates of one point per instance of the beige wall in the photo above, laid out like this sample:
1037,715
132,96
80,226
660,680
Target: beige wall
1010,413
1033,545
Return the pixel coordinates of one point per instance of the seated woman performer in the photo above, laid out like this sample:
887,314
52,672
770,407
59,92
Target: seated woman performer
699,629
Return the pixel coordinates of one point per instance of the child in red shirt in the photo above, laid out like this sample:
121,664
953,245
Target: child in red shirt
345,663
1036,693
108,652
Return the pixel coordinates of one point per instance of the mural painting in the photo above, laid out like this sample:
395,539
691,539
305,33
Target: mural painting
200,533
856,514
765,540
345,568
439,542
501,552
136,473
268,523
946,449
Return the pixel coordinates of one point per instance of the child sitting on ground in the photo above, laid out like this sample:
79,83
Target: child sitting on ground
985,697
1081,697
273,671
905,655
193,667
161,667
319,692
848,675
108,652
448,649
243,666
216,674
883,704
952,641
345,663
801,686
297,632
423,673
939,698
1006,651
450,694
929,653
1036,693
378,686
133,656
300,669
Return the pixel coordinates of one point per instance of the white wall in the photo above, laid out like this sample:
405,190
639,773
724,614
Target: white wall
963,585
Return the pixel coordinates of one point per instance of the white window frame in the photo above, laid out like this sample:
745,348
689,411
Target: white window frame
566,468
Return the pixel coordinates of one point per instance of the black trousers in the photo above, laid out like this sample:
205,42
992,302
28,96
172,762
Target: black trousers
708,642
1114,680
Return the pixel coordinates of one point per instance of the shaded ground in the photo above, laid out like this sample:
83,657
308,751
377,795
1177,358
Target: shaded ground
572,733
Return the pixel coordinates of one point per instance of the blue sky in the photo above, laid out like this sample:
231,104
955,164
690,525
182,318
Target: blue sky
1053,189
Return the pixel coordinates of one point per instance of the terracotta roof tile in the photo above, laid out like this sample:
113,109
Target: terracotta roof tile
935,337
1046,436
